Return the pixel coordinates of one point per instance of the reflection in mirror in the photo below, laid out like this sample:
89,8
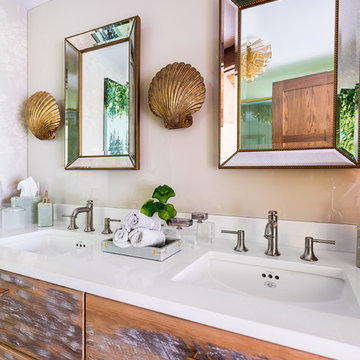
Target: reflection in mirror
277,74
101,97
347,129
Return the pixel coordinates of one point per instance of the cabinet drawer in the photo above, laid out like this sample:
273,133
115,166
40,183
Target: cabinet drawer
117,331
40,319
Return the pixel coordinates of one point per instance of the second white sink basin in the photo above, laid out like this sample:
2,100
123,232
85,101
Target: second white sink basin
305,285
51,242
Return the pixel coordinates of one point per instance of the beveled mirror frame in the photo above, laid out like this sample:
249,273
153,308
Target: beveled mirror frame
130,161
327,157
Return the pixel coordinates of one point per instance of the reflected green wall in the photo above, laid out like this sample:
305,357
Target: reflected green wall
256,125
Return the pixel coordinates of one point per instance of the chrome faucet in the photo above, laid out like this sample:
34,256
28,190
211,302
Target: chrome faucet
240,246
308,254
107,230
88,209
271,234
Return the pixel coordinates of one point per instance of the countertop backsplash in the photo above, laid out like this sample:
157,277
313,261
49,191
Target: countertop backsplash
291,233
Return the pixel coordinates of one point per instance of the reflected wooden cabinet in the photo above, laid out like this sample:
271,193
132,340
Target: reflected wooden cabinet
303,112
39,320
116,331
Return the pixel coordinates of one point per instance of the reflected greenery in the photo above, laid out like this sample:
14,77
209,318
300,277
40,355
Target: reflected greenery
348,110
116,115
116,98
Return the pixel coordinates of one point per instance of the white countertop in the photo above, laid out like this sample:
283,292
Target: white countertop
148,284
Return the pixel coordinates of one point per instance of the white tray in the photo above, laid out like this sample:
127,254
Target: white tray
171,247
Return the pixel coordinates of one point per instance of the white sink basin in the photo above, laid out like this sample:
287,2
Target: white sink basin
305,285
51,242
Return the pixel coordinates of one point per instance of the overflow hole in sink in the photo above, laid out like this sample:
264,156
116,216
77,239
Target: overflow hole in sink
270,276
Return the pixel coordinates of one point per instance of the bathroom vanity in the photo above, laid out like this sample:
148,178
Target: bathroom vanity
202,303
56,320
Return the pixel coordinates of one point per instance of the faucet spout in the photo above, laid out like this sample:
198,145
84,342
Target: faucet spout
88,209
271,234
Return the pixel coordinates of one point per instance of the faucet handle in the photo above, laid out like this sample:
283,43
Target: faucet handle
272,215
308,254
179,222
107,229
240,246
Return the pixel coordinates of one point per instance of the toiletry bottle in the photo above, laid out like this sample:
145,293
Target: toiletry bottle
45,211
204,229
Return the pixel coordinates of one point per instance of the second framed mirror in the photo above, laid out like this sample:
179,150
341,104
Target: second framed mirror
288,69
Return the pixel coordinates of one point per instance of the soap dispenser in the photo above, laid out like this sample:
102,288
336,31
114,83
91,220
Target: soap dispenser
45,211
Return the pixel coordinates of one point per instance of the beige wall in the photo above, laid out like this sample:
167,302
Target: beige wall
13,86
185,159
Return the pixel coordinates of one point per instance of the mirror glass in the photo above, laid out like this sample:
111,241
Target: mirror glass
101,97
279,67
347,126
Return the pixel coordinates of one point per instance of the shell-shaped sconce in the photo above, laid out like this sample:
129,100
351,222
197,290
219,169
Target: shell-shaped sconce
42,115
175,93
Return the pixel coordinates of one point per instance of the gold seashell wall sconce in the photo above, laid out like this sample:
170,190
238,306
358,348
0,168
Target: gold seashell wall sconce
42,115
175,93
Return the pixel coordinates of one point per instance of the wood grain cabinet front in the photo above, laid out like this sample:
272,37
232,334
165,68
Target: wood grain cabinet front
116,331
39,320
8,353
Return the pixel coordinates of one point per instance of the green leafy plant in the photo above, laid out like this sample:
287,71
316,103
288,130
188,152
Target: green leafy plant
162,194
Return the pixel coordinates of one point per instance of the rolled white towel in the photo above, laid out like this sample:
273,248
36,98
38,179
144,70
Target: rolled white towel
136,219
142,237
121,238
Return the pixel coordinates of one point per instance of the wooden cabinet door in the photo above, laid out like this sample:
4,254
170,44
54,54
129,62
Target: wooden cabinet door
303,112
116,331
39,319
8,353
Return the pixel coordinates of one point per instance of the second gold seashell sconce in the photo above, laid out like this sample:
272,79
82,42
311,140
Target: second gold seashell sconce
175,93
42,115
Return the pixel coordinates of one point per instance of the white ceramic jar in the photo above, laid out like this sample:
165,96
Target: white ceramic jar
13,218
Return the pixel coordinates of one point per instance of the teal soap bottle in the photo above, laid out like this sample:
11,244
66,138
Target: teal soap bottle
45,212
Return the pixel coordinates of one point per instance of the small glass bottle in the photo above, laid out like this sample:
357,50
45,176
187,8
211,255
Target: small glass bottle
204,230
45,212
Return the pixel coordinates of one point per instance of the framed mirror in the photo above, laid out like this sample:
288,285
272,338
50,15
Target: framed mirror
102,97
289,80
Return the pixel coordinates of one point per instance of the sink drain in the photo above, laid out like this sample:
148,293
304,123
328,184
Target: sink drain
270,284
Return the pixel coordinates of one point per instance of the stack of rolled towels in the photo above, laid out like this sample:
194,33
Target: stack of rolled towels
139,230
